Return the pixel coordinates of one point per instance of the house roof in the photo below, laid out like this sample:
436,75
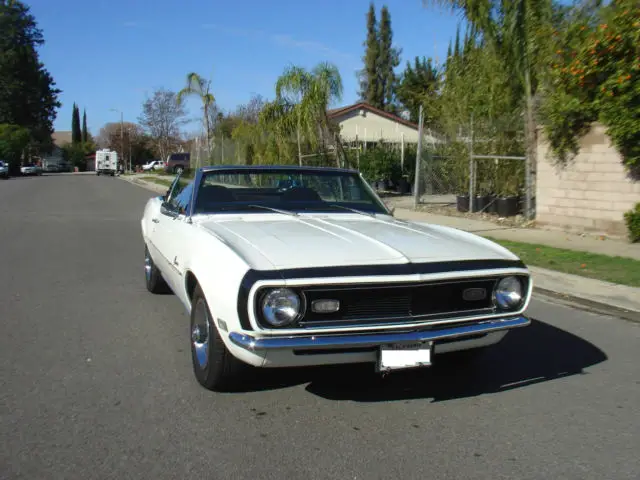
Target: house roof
336,112
61,137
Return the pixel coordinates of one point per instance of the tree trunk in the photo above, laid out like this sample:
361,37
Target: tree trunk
531,145
207,126
299,146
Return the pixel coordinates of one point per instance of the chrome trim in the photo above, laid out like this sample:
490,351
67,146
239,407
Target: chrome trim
307,342
397,323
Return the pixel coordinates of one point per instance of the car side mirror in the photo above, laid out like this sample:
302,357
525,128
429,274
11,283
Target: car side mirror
167,210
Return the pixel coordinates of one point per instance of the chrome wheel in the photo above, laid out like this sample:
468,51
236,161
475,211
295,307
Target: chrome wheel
147,265
200,333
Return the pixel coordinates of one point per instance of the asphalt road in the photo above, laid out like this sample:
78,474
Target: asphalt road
96,380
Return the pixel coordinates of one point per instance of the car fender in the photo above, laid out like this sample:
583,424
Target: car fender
219,270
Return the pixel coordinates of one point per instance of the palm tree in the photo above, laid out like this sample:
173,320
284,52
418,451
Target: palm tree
513,29
302,98
200,87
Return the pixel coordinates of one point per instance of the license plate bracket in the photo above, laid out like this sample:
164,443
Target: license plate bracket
402,356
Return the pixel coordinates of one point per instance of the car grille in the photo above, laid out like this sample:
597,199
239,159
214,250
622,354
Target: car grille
383,304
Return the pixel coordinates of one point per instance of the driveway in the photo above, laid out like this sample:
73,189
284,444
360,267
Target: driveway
96,380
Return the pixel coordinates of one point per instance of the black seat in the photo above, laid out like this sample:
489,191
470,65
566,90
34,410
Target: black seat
301,194
212,194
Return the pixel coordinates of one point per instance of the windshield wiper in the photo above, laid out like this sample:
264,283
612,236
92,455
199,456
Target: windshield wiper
361,212
277,210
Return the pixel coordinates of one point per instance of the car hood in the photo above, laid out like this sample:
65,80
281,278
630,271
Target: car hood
267,241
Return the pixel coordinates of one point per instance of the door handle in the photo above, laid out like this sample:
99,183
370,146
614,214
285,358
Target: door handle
155,220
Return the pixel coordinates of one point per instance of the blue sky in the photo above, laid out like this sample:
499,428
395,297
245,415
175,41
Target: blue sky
110,54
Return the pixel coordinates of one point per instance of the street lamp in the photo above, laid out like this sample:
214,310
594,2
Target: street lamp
122,135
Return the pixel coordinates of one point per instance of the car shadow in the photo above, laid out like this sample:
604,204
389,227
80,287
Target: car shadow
527,356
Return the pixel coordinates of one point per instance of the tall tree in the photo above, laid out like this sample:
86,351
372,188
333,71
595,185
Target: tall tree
512,28
28,97
389,59
85,132
200,87
377,78
76,132
369,80
162,115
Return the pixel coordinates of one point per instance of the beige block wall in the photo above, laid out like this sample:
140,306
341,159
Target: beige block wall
590,193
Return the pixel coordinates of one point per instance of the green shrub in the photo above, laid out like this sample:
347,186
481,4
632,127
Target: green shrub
632,219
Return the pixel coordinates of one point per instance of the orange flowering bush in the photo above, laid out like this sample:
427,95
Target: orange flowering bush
594,74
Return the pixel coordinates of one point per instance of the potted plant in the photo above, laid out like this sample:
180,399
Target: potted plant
507,203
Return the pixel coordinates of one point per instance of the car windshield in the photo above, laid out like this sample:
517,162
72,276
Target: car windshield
289,190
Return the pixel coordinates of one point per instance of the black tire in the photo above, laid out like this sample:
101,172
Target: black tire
220,371
178,170
98,173
153,278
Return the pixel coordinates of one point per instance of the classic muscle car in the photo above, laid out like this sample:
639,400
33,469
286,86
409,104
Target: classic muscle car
299,266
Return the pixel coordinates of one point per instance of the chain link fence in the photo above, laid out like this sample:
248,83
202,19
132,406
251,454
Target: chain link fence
477,167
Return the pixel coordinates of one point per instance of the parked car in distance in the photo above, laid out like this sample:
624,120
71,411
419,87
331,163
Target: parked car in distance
31,169
4,170
178,162
153,165
300,266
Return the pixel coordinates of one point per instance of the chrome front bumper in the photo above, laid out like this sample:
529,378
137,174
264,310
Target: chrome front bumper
356,340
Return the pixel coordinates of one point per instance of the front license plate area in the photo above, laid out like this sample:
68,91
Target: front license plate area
399,356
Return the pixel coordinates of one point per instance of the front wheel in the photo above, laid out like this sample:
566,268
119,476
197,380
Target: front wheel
214,366
153,278
178,170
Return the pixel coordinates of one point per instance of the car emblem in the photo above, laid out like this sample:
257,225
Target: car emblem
474,294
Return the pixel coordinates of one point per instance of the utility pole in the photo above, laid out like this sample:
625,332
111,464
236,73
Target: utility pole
416,187
124,162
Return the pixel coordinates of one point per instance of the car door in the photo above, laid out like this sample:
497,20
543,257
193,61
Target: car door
170,227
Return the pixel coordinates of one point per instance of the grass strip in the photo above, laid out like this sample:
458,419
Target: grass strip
621,270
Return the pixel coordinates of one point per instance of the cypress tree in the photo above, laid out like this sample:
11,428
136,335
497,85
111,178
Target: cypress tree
76,134
369,89
84,126
389,59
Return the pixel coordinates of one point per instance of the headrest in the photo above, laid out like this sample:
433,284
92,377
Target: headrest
301,194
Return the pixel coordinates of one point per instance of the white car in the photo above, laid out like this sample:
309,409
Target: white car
30,169
300,266
4,170
154,165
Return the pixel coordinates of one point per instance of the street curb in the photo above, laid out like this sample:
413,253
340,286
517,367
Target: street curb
588,305
577,300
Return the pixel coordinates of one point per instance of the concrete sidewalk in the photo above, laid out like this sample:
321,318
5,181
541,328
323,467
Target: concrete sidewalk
608,298
550,238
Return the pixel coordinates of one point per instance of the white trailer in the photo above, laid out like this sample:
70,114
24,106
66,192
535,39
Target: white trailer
106,162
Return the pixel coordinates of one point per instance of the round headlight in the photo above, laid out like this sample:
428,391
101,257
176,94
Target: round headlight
280,307
508,293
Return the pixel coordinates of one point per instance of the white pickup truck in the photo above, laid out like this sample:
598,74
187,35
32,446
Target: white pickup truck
106,162
153,165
